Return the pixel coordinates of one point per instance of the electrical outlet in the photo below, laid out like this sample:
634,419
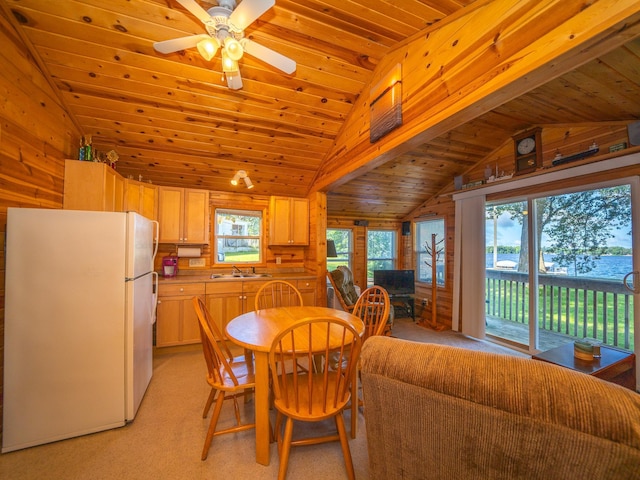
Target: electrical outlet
278,260
197,262
425,302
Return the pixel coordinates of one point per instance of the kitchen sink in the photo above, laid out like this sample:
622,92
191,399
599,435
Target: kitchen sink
239,275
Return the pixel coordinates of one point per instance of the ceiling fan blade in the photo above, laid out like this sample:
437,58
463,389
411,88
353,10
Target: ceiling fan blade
177,44
234,80
197,11
248,12
269,56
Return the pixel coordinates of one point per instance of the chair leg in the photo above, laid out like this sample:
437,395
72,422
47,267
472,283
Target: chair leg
212,425
277,430
344,442
355,400
236,410
212,396
286,449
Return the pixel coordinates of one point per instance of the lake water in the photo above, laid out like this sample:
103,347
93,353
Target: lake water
610,266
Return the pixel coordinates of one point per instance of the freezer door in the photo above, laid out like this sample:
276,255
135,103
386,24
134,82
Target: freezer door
139,341
140,245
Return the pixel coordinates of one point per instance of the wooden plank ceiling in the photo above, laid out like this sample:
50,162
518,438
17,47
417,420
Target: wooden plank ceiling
173,121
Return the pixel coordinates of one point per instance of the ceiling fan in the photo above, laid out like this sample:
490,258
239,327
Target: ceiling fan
225,26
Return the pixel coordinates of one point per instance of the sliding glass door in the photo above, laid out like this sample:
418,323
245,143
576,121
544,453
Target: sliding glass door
580,246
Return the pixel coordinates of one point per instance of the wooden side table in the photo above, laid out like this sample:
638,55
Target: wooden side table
616,366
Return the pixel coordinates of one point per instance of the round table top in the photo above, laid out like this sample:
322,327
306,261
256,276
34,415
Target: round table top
256,330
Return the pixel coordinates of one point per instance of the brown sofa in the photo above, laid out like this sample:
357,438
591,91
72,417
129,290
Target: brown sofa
434,411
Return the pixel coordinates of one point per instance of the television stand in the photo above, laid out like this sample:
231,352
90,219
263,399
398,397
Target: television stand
404,303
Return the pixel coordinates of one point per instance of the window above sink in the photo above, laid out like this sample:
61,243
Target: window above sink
238,237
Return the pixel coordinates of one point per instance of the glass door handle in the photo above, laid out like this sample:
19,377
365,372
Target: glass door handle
626,284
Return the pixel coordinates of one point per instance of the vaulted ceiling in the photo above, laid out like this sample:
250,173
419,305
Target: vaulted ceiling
173,120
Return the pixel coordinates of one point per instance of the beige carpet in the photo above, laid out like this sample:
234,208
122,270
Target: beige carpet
165,440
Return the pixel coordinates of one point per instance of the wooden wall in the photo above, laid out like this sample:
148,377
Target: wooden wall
315,260
35,137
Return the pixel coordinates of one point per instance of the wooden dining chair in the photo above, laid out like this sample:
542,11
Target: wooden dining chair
229,377
316,394
277,293
372,308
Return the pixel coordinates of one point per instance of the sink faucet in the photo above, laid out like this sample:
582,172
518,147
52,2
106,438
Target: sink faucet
236,269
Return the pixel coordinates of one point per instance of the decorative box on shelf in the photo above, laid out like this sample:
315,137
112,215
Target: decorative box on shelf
586,349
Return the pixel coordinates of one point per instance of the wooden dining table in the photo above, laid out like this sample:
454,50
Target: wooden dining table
256,331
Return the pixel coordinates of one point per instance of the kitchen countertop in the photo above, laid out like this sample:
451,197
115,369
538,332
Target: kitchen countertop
206,278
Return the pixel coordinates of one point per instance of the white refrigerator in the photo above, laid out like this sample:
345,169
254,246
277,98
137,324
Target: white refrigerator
79,311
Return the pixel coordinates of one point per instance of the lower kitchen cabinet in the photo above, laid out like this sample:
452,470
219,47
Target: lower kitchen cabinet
177,323
307,289
224,301
227,300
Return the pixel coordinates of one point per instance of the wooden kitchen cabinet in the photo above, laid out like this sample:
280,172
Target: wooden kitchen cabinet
227,300
183,214
141,198
176,320
249,290
307,289
288,221
92,186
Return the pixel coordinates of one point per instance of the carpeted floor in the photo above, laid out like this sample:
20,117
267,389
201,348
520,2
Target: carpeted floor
165,440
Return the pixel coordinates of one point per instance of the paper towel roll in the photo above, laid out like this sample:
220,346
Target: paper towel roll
189,252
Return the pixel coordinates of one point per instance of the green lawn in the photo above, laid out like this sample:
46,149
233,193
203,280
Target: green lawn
242,257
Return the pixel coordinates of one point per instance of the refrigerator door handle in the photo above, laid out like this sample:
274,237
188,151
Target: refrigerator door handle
155,240
154,299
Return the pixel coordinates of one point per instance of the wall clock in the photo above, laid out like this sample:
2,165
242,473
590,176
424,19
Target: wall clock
528,151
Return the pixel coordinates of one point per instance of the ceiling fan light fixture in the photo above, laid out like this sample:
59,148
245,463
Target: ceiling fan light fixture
233,48
228,64
208,48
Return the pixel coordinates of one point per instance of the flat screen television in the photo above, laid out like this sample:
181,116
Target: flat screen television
395,282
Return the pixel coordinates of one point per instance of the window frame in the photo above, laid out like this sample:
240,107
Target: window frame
332,263
394,251
260,238
419,253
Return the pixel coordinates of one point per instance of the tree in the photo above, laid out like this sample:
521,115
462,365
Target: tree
576,224
580,229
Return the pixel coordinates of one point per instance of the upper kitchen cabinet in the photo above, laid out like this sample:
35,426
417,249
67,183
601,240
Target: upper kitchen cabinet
183,214
141,198
288,221
92,186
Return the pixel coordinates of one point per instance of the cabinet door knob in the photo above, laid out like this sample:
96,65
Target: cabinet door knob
181,289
